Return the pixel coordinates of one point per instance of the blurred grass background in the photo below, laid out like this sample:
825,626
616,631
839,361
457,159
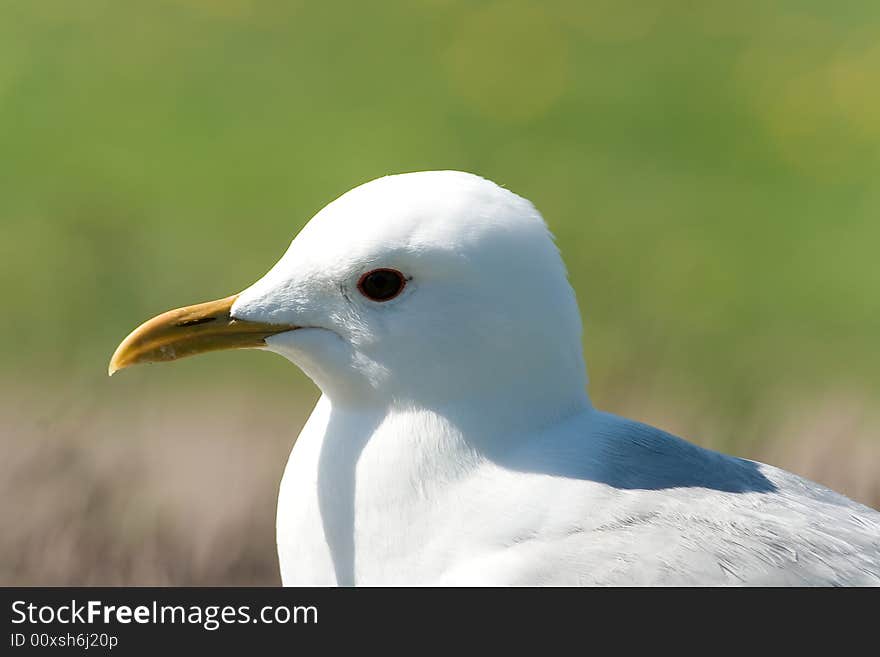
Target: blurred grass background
711,170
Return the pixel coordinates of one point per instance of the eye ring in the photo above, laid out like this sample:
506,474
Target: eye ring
383,284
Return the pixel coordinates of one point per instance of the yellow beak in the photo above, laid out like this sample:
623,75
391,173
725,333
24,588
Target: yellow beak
189,331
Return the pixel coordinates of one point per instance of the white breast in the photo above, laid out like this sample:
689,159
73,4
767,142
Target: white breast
303,554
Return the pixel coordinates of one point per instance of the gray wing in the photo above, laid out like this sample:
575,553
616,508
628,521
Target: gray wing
729,520
801,534
660,510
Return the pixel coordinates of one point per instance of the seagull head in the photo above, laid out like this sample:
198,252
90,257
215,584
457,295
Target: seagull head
418,288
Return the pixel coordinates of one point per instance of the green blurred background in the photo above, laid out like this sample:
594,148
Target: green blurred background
711,170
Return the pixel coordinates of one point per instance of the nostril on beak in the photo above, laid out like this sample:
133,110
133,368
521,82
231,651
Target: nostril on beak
195,322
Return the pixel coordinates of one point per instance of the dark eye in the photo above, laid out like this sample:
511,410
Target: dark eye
382,284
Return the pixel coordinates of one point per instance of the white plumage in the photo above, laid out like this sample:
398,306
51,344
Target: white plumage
455,443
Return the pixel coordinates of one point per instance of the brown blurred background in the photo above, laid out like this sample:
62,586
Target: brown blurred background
710,170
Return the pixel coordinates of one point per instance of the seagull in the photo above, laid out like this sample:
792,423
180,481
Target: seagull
454,442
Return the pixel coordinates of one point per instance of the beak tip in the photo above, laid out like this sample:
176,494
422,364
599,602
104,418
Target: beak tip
116,362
